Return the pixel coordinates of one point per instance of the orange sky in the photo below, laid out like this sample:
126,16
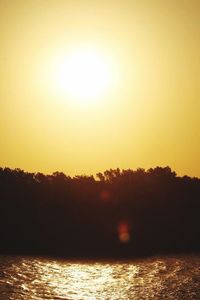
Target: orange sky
148,116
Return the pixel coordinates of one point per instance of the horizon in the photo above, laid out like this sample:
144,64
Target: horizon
95,175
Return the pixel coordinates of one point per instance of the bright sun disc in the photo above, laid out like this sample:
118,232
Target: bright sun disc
84,74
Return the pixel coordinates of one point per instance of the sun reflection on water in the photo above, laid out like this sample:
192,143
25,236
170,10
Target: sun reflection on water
85,281
150,279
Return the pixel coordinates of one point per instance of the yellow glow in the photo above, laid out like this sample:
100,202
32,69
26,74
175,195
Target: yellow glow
84,74
91,85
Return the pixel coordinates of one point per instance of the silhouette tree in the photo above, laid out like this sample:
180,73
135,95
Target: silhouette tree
121,213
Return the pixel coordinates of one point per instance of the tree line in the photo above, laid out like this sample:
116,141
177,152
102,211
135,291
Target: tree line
117,213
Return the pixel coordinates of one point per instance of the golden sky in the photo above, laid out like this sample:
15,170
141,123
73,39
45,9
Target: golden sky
149,112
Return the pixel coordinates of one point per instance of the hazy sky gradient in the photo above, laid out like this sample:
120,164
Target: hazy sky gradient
150,117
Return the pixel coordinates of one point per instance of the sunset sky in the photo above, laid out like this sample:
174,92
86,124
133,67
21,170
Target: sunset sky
91,85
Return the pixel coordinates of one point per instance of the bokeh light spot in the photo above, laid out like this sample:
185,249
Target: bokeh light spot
124,232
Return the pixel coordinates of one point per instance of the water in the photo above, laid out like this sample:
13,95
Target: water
156,278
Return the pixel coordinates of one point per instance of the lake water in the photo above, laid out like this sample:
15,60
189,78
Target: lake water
156,278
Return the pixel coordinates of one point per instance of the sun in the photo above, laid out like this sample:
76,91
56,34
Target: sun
84,74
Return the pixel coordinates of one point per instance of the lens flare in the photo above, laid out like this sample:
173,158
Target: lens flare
124,232
105,195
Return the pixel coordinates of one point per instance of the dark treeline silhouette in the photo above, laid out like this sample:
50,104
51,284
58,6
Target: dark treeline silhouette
120,213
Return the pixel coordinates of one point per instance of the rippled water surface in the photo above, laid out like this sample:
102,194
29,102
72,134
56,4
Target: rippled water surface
155,278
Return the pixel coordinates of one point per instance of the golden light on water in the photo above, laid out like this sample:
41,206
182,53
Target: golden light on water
78,278
154,278
87,280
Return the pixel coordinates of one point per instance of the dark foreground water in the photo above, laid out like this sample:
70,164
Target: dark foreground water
156,278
